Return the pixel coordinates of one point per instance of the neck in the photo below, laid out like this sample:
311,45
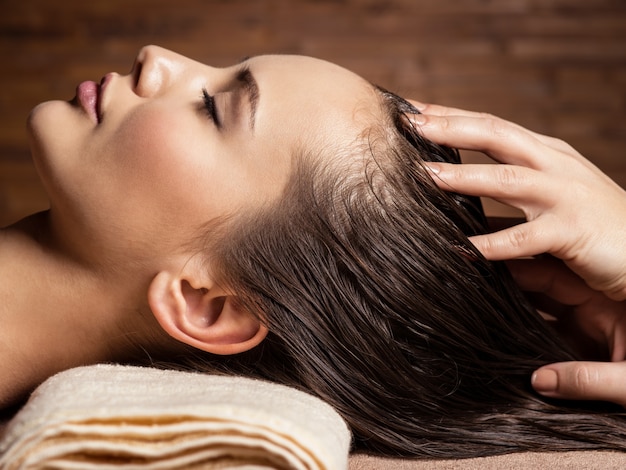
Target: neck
59,312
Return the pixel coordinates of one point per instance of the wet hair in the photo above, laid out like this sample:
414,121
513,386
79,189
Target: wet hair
377,303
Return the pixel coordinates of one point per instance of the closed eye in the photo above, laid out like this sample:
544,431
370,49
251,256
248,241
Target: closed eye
209,106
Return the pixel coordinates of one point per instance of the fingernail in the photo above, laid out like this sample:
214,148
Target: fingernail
432,168
545,380
418,119
419,105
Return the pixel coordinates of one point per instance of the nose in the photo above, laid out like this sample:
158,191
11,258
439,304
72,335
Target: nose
155,69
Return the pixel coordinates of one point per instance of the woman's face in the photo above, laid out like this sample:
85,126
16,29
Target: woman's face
149,157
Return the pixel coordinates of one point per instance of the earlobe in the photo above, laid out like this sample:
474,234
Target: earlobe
207,318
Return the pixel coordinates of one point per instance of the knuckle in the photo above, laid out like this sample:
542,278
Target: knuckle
518,238
507,177
497,127
585,379
444,124
563,146
459,173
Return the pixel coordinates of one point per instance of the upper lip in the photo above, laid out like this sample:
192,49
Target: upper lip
103,84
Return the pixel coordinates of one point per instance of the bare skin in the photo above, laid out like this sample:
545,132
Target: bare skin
46,327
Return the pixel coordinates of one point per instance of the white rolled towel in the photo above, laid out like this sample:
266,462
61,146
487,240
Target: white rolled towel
123,417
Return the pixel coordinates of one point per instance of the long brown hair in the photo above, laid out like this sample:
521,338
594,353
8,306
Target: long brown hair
377,302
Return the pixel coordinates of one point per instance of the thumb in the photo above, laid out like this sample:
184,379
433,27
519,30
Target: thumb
605,381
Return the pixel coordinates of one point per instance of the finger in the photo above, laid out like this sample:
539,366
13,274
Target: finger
551,277
527,239
513,185
605,381
439,110
499,139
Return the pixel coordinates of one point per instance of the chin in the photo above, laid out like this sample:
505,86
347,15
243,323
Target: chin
53,129
47,118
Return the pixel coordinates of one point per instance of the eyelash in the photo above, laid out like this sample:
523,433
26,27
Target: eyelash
209,106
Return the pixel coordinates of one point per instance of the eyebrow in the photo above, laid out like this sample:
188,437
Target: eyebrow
244,75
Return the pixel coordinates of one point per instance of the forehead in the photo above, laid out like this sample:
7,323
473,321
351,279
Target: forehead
308,70
308,103
302,96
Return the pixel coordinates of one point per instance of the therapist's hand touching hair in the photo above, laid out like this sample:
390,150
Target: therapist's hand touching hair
575,213
594,325
573,210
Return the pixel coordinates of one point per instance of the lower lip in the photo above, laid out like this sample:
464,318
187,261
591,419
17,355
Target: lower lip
87,95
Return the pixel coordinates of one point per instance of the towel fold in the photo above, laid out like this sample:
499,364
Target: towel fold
122,417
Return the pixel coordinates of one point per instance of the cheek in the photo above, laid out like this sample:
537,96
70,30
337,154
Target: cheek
166,166
148,143
150,149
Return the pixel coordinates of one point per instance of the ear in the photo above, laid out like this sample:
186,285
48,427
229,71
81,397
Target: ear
202,315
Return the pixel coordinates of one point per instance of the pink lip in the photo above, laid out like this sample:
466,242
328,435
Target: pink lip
87,96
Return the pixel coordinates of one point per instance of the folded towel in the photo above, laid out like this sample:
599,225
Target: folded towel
112,417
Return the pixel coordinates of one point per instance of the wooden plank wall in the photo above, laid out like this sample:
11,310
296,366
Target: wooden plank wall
556,66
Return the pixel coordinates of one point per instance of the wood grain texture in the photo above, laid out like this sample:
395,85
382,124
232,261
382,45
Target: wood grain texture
556,66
